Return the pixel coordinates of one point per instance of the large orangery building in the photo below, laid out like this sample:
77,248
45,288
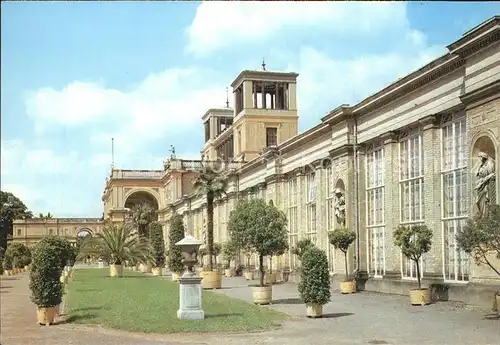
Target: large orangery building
409,154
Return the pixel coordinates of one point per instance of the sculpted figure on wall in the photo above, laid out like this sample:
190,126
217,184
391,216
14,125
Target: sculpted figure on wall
485,185
340,206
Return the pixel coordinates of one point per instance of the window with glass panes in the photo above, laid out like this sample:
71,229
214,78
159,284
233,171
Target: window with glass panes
411,191
292,218
311,191
375,191
330,212
454,195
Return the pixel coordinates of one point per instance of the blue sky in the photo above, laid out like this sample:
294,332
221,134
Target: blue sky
76,74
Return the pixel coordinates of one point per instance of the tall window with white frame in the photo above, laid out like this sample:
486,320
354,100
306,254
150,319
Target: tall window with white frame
330,212
311,190
292,219
375,191
411,191
454,195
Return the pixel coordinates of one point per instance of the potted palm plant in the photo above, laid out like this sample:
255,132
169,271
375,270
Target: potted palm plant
415,241
46,290
212,185
158,247
262,228
342,239
117,243
175,235
314,285
229,252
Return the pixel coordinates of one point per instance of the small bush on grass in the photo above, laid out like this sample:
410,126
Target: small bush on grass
157,243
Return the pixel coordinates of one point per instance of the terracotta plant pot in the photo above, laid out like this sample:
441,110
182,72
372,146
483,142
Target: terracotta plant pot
348,287
57,310
212,280
26,268
115,270
270,278
175,277
420,296
147,268
229,272
45,315
497,297
314,310
63,279
7,272
262,295
248,275
157,271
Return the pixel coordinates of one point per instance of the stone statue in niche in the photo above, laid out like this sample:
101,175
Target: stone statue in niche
485,186
340,206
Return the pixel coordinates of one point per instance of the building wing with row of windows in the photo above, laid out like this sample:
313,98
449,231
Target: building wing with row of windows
405,155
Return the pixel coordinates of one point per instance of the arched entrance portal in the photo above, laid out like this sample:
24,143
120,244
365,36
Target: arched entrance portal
139,198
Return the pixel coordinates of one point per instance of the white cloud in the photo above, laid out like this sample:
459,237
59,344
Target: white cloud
326,82
158,105
222,24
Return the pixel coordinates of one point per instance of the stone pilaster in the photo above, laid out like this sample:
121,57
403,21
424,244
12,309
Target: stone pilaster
391,203
431,142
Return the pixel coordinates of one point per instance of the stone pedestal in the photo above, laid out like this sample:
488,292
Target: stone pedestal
190,298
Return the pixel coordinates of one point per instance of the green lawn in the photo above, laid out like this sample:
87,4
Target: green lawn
141,303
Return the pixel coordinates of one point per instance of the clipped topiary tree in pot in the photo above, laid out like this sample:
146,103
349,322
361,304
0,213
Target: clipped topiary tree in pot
262,228
46,289
229,252
415,241
314,285
175,235
158,247
480,238
342,239
216,252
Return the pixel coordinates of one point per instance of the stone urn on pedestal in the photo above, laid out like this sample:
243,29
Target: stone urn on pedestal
190,288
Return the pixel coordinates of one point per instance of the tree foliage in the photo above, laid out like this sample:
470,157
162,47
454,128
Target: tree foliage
212,185
116,244
342,239
229,252
301,247
143,215
175,235
62,246
11,208
259,227
314,285
46,289
414,241
481,237
157,243
17,255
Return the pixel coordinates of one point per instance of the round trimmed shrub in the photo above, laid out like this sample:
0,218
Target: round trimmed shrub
18,255
62,247
314,285
46,289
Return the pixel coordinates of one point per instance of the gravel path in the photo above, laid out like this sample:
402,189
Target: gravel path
363,318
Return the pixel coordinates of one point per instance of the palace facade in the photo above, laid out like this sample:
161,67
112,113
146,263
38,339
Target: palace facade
407,154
